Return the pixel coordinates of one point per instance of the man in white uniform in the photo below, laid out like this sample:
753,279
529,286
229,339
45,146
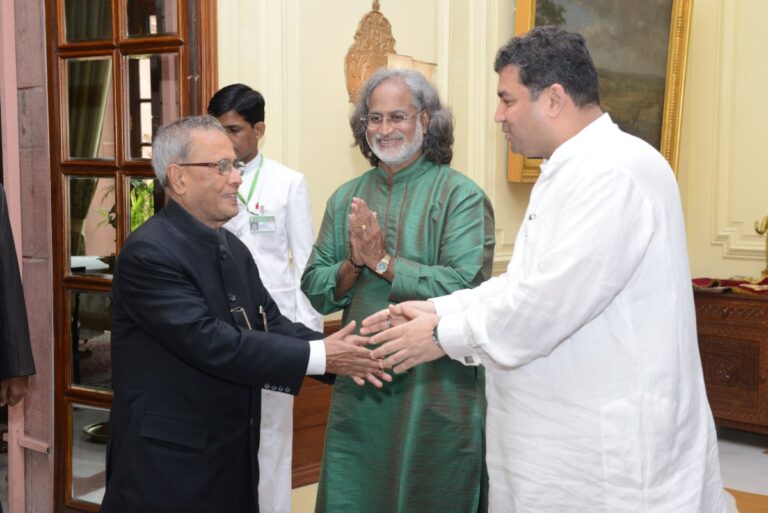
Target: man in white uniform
596,400
275,222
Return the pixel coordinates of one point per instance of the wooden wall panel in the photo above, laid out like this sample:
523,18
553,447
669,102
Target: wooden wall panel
310,415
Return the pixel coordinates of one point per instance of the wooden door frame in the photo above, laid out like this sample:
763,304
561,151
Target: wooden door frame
197,23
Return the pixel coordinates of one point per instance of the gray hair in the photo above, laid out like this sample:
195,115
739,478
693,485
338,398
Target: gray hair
172,142
438,141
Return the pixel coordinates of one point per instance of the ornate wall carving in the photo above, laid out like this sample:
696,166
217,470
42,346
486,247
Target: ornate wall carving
373,41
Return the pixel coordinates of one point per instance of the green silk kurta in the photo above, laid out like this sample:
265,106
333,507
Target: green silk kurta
416,445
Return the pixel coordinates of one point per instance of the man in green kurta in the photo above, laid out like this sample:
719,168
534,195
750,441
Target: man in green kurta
410,228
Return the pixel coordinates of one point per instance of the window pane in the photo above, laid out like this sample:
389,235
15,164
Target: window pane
153,98
150,17
88,20
89,452
88,83
146,200
91,319
92,224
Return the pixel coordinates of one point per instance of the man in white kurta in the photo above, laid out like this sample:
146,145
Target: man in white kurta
274,220
596,399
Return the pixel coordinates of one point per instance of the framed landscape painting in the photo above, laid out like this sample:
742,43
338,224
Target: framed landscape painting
639,49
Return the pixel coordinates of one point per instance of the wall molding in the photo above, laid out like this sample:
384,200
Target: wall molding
485,153
278,52
443,50
735,236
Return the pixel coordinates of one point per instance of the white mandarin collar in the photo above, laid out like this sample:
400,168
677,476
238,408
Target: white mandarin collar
253,164
588,135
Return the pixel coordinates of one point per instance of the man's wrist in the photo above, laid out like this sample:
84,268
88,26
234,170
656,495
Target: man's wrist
357,269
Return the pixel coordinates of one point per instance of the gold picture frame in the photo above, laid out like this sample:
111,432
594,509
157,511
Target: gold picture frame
662,129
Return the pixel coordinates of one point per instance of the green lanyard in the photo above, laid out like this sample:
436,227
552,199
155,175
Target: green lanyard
253,183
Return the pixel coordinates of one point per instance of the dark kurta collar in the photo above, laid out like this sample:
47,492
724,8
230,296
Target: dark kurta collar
417,168
189,224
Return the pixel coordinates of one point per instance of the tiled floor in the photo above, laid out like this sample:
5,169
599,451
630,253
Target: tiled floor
744,466
743,460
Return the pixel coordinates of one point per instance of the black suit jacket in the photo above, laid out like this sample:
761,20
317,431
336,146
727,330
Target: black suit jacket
15,350
188,372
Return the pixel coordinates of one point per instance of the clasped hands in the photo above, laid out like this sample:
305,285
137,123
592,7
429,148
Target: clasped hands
366,239
405,334
345,355
404,331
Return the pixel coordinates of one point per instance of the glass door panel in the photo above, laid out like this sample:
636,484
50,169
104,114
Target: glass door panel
92,225
90,325
88,116
152,17
146,199
89,452
87,20
153,98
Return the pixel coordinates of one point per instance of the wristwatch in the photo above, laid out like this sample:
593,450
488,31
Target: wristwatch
383,264
435,339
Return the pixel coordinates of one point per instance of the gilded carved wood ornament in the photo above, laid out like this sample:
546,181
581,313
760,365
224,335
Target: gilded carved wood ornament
373,41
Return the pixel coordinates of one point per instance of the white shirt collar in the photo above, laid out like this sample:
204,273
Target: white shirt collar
575,145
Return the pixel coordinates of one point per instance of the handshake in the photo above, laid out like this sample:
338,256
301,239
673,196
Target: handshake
405,332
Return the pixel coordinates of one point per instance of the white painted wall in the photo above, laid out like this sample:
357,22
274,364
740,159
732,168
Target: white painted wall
293,51
723,163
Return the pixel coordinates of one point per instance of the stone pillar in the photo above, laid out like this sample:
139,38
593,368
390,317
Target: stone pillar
26,166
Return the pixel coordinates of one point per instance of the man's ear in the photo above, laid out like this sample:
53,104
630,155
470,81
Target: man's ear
424,121
260,128
176,179
556,99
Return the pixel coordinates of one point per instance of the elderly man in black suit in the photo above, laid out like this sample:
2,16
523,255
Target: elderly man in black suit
195,336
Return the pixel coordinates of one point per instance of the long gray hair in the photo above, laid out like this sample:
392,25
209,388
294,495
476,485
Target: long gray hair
438,140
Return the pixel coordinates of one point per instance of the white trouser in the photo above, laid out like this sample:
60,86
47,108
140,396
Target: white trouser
275,448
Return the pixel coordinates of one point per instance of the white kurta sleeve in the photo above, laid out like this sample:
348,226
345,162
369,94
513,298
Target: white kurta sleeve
456,347
300,240
602,227
459,300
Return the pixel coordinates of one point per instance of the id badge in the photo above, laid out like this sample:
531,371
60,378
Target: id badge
260,224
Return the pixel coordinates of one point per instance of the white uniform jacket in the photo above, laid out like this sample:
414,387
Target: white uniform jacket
280,254
596,400
280,247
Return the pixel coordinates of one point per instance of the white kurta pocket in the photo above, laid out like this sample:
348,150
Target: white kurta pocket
638,451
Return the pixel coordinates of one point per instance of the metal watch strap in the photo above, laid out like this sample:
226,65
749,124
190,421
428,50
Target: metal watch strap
383,264
435,338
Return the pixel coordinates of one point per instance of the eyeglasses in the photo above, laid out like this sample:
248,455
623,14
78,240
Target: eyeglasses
396,118
225,166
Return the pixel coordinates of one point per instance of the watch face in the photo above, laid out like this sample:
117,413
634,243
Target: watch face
381,267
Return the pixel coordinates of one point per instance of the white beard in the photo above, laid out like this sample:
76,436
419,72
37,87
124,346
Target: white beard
399,155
